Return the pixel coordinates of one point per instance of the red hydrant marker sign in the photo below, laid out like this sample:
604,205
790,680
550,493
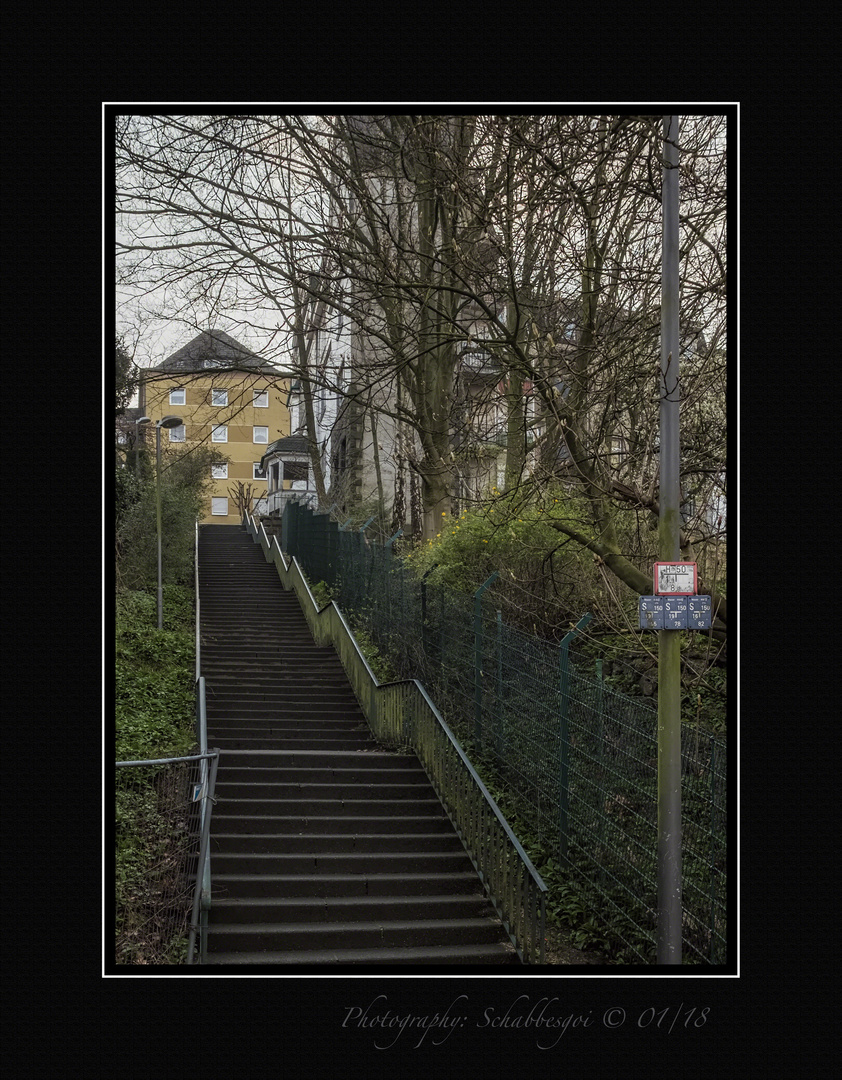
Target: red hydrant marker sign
674,579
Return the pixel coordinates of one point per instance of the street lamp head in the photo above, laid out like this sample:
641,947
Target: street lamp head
170,421
143,420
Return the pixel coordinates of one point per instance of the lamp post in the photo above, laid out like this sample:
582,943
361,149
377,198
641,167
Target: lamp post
166,422
140,420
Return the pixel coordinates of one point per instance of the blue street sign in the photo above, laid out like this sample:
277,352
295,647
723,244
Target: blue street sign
651,611
698,612
675,612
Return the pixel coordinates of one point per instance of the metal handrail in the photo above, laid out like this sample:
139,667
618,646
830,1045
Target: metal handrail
196,593
207,789
401,714
166,760
203,871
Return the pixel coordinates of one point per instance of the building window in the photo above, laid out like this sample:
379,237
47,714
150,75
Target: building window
295,471
219,397
177,434
261,399
219,472
256,472
178,397
220,433
219,507
261,435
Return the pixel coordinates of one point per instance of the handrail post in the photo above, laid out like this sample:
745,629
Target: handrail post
478,656
201,891
196,591
563,737
202,733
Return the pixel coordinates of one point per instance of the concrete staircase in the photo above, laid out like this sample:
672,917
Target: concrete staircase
325,848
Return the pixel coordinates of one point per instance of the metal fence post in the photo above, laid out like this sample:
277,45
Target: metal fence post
478,656
423,591
713,902
498,716
564,738
600,754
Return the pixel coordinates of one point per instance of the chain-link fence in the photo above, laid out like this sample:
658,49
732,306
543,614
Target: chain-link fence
158,822
581,757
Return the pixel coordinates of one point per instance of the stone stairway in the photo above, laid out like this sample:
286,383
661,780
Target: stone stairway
325,847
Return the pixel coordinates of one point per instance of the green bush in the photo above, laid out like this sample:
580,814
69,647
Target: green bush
154,675
508,535
546,579
154,718
137,539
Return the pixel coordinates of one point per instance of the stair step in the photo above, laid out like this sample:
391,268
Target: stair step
265,841
324,801
330,727
289,937
384,761
307,909
443,955
229,741
329,722
235,819
322,706
338,862
323,885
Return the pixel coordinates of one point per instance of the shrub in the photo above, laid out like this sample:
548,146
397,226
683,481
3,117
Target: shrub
545,579
154,675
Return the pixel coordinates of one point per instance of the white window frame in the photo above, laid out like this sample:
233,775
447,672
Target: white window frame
220,471
255,472
219,404
217,502
219,433
178,396
255,430
177,434
261,399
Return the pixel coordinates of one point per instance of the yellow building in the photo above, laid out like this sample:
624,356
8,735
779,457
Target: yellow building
230,400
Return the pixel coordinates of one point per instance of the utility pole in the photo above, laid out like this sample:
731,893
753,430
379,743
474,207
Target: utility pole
669,525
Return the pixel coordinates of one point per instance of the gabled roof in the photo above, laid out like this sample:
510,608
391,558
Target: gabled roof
215,349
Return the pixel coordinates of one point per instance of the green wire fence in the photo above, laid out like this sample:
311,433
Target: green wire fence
580,757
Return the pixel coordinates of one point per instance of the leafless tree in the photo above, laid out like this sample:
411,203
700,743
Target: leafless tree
534,240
